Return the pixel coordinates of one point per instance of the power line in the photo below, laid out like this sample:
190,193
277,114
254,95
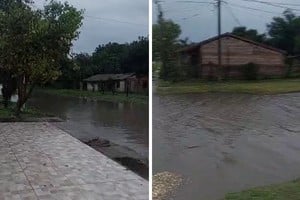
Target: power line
195,15
272,4
192,16
286,4
201,2
114,20
182,10
251,8
233,15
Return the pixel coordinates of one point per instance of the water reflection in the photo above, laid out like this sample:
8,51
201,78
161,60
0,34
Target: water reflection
122,123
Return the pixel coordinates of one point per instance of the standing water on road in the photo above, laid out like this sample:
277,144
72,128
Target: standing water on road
124,124
222,143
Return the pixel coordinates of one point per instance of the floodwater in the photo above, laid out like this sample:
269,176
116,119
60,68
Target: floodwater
124,124
222,143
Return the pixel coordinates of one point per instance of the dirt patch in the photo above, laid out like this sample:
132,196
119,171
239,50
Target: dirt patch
123,155
164,184
98,143
135,165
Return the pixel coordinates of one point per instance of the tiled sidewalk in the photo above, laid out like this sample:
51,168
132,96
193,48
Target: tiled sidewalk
39,161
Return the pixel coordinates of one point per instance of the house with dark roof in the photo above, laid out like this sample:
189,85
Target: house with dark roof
237,52
111,82
116,83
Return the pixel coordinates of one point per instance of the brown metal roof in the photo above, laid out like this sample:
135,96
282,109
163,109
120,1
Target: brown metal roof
198,45
106,77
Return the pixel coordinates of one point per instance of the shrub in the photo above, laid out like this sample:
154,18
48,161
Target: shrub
250,71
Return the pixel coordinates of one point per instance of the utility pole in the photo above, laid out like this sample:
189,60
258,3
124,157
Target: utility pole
219,71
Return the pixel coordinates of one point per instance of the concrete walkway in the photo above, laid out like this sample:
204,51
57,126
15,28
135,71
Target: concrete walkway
39,161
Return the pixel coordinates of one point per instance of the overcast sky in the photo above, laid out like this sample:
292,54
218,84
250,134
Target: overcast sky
198,21
109,21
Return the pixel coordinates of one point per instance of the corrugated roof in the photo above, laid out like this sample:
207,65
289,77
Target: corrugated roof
195,46
106,77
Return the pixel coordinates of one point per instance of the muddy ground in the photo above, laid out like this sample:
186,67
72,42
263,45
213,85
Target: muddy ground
222,143
125,156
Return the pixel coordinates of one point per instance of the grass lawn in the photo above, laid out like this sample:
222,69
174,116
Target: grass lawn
271,86
107,96
9,113
27,113
284,191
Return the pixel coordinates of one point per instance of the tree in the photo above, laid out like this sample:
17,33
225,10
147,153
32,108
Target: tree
8,87
165,44
34,42
250,34
122,58
84,62
109,57
138,57
184,42
284,32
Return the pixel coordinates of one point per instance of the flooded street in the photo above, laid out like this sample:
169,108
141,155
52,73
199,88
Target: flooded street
121,123
224,143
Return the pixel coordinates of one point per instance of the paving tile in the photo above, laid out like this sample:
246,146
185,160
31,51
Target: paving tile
19,195
14,182
39,161
103,191
9,167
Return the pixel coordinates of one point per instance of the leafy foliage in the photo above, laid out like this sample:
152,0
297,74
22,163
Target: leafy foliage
250,71
250,34
165,44
284,32
34,42
122,58
109,58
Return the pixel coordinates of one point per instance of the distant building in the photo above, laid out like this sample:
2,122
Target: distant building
116,82
236,53
294,65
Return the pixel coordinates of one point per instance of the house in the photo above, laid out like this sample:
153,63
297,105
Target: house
111,82
139,84
294,65
237,52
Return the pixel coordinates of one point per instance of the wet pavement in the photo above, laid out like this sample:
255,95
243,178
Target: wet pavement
124,124
222,143
41,162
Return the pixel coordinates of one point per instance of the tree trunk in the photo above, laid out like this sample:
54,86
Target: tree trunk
8,88
23,95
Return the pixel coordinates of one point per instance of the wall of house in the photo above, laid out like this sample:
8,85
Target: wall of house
121,87
92,86
136,85
89,87
237,53
96,87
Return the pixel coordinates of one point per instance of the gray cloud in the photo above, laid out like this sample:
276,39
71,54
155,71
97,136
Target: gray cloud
106,21
201,19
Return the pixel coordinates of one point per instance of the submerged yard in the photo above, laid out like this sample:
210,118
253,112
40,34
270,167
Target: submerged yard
224,143
7,114
272,86
107,96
